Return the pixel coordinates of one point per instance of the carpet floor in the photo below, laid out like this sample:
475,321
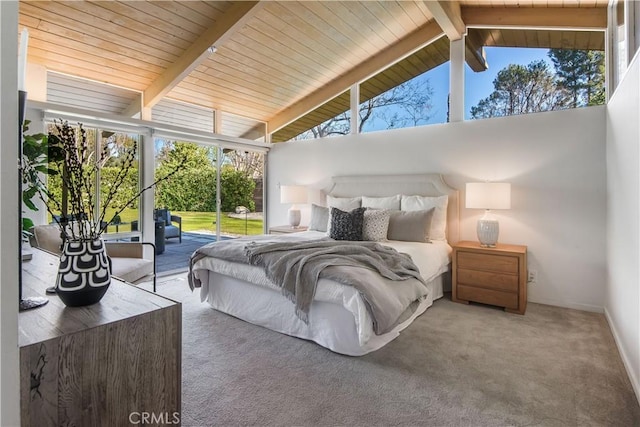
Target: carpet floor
456,365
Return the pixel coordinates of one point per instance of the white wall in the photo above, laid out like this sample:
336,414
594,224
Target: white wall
622,305
9,367
555,162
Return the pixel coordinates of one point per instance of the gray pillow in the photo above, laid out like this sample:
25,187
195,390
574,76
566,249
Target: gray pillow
319,218
410,226
346,225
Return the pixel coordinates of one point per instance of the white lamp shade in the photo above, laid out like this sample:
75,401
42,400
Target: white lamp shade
488,195
293,194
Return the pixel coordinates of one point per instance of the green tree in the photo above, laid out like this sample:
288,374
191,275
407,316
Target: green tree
190,189
172,153
236,189
522,89
581,72
193,187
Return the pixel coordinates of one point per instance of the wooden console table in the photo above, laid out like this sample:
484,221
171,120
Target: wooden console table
104,364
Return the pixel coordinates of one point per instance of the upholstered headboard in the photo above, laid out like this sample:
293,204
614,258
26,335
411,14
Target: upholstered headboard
428,184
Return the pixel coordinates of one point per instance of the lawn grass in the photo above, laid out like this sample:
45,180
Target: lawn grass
199,221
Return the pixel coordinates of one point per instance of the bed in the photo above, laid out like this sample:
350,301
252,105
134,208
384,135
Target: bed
338,318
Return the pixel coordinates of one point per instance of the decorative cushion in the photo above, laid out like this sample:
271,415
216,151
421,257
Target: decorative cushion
319,218
171,231
346,225
47,237
439,222
376,224
392,202
131,269
344,203
410,226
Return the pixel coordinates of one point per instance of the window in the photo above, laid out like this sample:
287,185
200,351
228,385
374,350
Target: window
419,96
192,191
411,92
333,118
529,80
107,147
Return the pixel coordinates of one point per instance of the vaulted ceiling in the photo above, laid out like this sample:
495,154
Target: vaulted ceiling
278,61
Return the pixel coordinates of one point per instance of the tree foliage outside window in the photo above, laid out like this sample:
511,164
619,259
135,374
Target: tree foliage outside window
581,72
193,187
406,105
577,80
113,154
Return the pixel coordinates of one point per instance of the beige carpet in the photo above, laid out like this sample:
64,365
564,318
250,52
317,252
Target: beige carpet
456,365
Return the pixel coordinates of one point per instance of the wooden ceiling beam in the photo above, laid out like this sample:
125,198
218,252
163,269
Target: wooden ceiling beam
474,52
447,15
550,17
397,51
232,20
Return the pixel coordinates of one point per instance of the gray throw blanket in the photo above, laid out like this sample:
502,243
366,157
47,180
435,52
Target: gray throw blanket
389,282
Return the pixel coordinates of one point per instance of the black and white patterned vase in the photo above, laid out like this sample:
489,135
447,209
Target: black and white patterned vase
84,274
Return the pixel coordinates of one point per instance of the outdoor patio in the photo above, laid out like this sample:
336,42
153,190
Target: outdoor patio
176,255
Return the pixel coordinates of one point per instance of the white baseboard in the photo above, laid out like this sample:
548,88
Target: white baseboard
633,377
565,304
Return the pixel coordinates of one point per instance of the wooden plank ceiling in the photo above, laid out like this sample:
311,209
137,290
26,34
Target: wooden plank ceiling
275,61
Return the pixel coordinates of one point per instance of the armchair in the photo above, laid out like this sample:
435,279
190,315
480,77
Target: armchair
170,230
127,258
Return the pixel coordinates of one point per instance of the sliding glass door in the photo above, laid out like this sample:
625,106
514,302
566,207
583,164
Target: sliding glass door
107,148
113,160
241,204
191,192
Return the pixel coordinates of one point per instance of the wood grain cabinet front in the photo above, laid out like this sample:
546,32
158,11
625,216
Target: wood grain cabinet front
99,365
495,276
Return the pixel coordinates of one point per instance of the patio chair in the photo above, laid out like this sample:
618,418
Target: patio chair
170,231
127,258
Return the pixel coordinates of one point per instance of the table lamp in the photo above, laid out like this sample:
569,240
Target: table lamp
488,195
293,194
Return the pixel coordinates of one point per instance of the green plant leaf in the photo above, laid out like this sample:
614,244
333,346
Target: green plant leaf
27,224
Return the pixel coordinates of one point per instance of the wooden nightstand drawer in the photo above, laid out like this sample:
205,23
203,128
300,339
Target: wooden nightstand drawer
486,296
496,276
499,263
489,280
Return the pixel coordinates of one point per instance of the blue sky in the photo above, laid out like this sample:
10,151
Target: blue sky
478,85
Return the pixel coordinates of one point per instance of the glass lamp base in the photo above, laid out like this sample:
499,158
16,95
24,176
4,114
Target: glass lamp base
488,232
294,217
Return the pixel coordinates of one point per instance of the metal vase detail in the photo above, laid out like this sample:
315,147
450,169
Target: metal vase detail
84,274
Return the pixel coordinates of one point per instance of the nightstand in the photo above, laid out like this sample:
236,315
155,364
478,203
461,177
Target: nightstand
496,276
286,229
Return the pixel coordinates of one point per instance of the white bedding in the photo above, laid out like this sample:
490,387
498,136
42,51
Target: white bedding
339,319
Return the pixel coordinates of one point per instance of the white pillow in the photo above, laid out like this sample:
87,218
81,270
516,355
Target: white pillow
392,202
439,221
376,225
346,204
